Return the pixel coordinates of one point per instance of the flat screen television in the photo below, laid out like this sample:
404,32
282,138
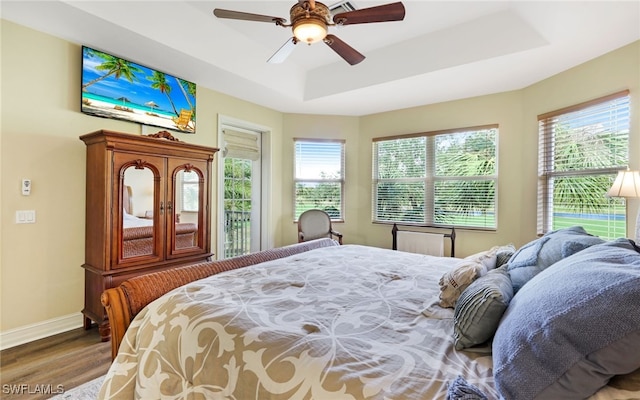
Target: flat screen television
113,87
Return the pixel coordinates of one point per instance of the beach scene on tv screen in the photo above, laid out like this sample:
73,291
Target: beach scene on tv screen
116,88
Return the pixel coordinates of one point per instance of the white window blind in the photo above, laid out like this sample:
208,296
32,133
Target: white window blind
581,148
437,178
319,176
241,145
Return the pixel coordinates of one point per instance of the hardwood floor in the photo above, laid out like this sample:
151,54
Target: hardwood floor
59,362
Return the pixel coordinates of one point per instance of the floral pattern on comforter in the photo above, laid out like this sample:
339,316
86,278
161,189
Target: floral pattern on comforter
333,323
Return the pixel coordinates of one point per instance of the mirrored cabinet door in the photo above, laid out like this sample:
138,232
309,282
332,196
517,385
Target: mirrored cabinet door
189,200
140,210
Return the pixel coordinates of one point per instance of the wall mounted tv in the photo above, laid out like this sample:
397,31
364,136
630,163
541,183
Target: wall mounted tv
116,88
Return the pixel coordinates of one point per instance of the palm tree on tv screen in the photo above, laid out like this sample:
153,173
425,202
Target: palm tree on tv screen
115,66
191,90
159,82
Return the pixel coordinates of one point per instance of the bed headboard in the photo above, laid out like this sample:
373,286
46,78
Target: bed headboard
451,235
127,200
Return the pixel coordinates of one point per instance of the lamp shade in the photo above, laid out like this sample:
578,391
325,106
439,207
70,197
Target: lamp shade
309,30
627,184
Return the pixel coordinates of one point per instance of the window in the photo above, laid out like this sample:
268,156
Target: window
581,148
437,178
319,176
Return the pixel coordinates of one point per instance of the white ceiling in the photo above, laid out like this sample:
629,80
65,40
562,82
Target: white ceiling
443,50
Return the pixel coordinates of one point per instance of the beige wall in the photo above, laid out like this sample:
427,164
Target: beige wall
324,127
504,109
40,272
41,277
616,71
516,113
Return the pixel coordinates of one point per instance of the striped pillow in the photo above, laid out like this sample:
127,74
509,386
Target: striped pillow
480,307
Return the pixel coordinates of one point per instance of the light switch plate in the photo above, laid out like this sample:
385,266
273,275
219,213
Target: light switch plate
25,217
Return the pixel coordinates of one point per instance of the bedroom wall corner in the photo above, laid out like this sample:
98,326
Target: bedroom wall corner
324,127
516,113
610,73
212,105
40,264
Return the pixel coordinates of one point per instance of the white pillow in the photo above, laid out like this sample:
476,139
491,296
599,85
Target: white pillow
454,282
488,258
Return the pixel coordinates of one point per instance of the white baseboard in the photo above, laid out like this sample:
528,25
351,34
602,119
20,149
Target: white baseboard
39,330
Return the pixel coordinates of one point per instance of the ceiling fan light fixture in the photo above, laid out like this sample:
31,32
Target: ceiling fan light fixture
309,30
310,22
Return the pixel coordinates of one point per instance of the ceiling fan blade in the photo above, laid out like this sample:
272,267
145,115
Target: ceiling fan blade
350,55
283,52
220,13
383,13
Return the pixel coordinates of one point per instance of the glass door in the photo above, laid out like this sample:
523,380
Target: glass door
242,192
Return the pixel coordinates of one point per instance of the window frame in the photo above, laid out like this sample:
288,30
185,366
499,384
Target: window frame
430,178
546,148
298,180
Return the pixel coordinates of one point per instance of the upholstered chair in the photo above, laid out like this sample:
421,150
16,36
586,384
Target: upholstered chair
316,224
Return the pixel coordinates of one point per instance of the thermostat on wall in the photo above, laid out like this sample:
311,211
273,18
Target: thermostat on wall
26,187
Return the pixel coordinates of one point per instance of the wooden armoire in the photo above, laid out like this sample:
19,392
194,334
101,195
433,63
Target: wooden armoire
147,209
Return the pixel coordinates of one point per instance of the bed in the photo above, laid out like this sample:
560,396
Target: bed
317,320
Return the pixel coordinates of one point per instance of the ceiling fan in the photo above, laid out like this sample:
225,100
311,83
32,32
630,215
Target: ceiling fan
310,22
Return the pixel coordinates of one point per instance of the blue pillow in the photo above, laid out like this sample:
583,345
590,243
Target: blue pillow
572,327
539,254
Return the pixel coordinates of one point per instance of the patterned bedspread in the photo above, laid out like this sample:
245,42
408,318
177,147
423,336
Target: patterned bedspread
334,323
